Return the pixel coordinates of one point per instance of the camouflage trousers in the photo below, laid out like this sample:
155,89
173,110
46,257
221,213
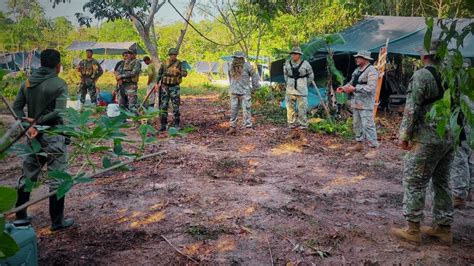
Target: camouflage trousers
423,163
88,86
462,171
237,100
170,93
130,91
54,146
294,116
364,126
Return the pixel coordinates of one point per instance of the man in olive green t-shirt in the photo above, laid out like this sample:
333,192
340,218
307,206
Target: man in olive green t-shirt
151,82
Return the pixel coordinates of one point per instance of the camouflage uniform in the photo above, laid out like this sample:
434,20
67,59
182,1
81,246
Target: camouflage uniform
462,168
430,157
241,91
90,71
171,75
130,75
122,98
297,92
362,103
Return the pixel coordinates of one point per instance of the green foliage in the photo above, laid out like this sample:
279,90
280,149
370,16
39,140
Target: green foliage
266,103
8,247
338,128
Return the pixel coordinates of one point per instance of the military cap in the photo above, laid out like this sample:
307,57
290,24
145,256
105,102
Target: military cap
364,54
132,51
433,48
173,51
296,50
238,54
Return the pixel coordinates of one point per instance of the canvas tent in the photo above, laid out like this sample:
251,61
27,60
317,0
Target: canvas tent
107,48
20,60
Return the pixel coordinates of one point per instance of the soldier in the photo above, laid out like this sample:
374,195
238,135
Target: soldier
129,78
429,157
170,75
298,75
90,71
240,73
45,96
151,83
118,69
362,90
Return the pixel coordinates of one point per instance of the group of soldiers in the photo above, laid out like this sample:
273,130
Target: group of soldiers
429,156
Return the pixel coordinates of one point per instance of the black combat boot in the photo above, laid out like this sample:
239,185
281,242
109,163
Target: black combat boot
56,211
176,122
23,197
164,123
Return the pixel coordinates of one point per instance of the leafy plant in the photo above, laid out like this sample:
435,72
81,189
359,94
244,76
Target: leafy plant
339,128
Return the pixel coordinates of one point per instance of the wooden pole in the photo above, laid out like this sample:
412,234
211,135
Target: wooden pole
380,66
189,13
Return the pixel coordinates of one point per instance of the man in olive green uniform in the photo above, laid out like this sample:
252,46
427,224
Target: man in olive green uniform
129,78
429,157
170,75
90,71
298,75
44,95
361,88
151,82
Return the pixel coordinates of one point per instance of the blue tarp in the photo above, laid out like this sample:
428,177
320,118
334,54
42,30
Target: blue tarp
313,97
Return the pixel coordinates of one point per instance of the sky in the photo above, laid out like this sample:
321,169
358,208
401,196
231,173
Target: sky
165,15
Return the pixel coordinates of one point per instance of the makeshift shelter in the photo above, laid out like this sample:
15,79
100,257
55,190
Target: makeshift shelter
106,48
405,36
20,60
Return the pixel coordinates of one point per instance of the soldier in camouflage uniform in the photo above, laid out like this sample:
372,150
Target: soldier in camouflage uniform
298,75
362,88
44,95
129,76
170,75
118,69
240,75
90,71
429,157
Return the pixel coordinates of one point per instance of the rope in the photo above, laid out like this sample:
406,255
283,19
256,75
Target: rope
201,34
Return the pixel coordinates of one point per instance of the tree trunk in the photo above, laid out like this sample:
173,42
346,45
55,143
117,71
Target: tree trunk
151,46
189,13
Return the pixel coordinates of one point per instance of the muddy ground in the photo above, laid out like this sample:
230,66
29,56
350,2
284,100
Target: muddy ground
251,199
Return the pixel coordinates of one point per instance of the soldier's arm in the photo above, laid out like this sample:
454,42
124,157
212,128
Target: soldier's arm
255,78
310,73
285,73
371,85
100,71
183,70
61,104
80,65
160,73
20,102
135,71
412,108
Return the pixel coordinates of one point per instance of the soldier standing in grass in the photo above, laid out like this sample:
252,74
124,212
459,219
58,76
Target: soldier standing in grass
90,70
170,75
243,80
298,75
362,88
129,76
429,157
45,96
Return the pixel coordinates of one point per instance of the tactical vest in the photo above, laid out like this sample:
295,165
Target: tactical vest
128,66
295,73
355,80
172,73
89,68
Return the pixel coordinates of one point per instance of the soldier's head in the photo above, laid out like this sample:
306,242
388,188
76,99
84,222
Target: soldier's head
429,57
125,55
296,54
51,58
89,53
132,53
363,58
147,60
173,53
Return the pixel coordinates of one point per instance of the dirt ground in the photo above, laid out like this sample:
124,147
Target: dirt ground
255,198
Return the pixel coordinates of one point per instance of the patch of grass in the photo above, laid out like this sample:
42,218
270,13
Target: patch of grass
200,232
338,128
227,163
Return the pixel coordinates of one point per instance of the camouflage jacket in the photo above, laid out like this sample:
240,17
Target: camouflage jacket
242,85
364,95
131,71
302,83
90,68
414,126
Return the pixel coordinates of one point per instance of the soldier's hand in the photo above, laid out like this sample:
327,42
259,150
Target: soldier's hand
340,90
349,89
32,133
405,145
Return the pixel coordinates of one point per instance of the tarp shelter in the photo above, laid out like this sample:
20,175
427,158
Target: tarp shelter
107,48
20,60
207,67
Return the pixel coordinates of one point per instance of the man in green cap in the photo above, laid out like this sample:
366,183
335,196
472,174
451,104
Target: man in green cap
90,70
243,80
429,157
298,75
44,95
170,75
362,89
129,76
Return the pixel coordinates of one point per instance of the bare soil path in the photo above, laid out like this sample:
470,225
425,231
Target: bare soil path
248,199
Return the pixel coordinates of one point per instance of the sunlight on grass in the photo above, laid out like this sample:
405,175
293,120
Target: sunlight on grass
342,181
286,148
154,218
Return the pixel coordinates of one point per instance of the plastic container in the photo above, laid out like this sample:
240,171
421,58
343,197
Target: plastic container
25,237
